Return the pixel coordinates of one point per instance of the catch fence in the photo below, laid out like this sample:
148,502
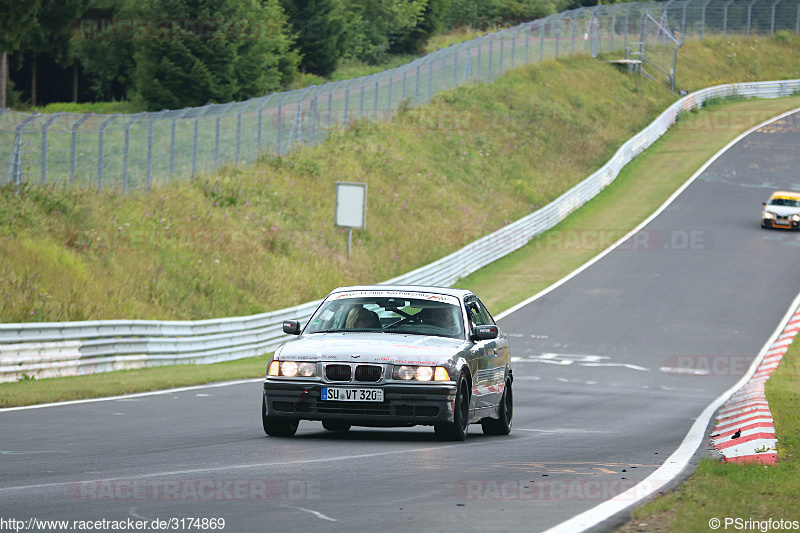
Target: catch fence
135,152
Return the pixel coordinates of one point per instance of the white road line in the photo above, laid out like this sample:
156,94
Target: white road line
315,513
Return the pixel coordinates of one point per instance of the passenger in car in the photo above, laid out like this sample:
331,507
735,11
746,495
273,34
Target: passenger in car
360,318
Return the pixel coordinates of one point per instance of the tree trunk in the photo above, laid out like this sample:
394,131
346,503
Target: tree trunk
75,82
3,77
33,81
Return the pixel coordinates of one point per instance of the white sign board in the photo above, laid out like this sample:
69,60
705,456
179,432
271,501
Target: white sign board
351,205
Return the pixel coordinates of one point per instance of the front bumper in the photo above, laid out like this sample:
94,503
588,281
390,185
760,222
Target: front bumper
772,223
403,404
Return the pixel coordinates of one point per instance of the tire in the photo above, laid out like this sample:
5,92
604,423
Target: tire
335,425
457,429
277,426
501,425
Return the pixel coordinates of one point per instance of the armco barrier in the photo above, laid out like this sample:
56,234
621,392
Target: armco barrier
71,348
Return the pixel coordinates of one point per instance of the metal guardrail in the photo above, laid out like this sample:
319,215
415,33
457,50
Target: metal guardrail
138,151
71,348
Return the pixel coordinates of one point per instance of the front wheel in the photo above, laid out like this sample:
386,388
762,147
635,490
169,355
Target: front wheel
457,429
501,425
277,426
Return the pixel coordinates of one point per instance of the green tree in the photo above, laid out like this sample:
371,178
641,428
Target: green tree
205,51
19,18
51,35
104,48
319,28
373,23
429,23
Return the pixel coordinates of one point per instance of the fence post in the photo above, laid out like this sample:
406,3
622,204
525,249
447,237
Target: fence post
261,120
47,125
217,133
514,49
196,137
314,122
558,34
542,26
574,30
279,135
772,26
750,15
297,123
74,150
482,38
725,18
391,91
683,22
100,138
528,42
613,24
15,165
491,59
467,67
430,80
172,142
149,177
377,88
455,67
347,103
126,151
703,21
239,135
405,75
502,54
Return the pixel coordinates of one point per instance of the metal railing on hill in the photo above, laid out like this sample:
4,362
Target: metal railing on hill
70,348
139,151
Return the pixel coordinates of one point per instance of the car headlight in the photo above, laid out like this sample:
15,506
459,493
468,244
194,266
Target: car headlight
420,373
768,216
795,218
292,369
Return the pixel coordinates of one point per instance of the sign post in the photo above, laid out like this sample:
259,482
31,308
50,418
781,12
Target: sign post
351,208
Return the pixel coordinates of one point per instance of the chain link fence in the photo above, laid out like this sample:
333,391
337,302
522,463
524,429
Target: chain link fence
134,152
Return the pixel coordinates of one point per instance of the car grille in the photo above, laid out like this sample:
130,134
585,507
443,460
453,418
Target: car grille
338,372
368,373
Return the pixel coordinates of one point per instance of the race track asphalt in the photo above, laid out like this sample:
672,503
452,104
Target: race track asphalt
598,402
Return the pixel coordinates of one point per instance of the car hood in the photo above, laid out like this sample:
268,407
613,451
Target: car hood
782,210
371,348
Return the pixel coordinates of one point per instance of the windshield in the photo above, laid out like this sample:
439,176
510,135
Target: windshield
787,202
389,312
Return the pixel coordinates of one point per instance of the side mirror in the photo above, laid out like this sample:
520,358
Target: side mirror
291,327
485,333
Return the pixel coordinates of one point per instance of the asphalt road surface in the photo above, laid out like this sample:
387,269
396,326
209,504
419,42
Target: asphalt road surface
599,404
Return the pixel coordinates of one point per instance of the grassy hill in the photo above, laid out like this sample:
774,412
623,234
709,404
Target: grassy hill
255,239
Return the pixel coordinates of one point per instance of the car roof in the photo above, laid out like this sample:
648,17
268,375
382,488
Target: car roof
458,293
788,195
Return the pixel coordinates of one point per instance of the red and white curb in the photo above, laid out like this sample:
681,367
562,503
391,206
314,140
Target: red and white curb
745,432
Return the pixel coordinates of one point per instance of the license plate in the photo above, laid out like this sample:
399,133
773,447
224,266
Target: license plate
341,394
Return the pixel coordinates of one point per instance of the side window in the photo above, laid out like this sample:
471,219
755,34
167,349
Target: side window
485,313
478,315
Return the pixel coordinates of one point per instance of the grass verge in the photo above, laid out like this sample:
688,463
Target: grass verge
642,186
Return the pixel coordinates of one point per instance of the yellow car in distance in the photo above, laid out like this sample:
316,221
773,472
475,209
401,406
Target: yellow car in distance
782,211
